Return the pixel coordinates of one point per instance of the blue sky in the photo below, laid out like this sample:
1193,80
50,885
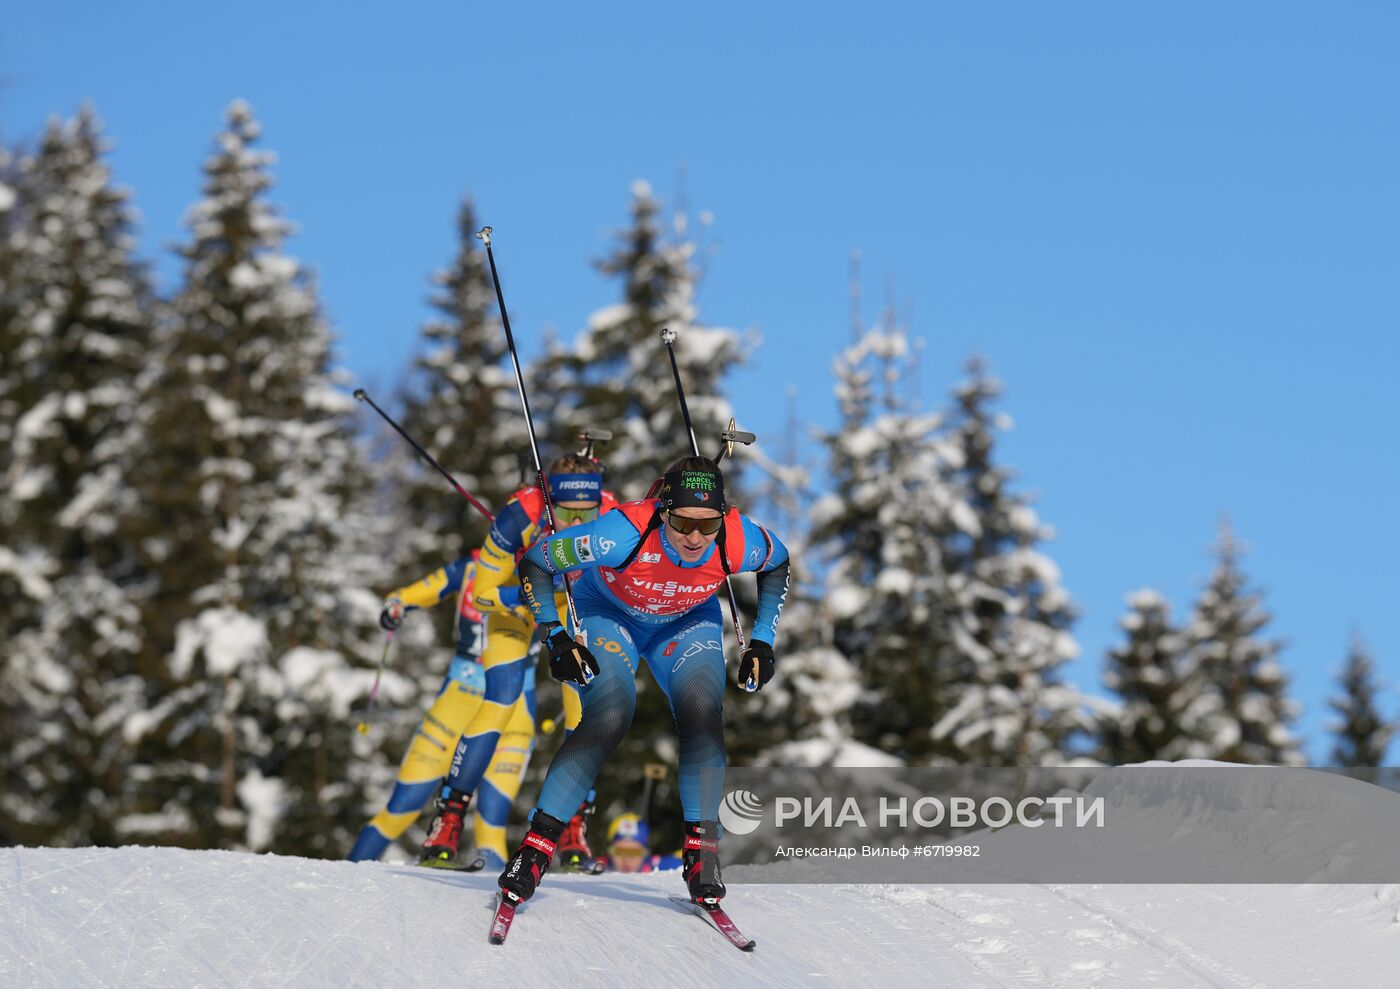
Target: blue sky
1172,230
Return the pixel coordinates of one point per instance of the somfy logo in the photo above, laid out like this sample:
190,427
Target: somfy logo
740,812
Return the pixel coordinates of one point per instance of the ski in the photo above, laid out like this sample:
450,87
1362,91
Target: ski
720,921
501,920
476,865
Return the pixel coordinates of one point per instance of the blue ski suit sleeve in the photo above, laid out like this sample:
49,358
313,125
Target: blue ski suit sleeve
765,554
607,541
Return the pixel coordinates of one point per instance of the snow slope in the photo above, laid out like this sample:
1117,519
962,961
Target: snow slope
171,918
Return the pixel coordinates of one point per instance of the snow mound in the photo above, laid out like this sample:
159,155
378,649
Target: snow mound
159,918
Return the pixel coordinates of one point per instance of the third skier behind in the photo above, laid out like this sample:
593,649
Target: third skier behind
629,847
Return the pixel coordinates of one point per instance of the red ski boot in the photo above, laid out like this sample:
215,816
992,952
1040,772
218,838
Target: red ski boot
574,853
445,832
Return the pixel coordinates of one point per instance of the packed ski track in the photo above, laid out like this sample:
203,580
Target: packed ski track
163,918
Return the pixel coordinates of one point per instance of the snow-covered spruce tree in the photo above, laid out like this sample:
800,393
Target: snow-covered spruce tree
461,403
1237,707
621,376
1144,671
1008,618
880,531
262,606
1362,733
803,716
17,391
551,379
76,311
22,582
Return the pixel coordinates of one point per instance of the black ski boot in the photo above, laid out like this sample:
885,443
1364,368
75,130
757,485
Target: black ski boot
531,860
700,859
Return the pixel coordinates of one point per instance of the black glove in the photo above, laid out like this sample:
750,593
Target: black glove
392,615
756,666
569,661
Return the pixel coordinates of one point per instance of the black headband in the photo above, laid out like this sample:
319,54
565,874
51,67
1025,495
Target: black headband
693,489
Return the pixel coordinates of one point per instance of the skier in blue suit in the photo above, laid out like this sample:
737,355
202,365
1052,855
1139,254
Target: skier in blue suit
649,572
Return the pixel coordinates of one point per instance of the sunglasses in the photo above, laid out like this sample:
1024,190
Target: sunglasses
684,525
629,852
566,515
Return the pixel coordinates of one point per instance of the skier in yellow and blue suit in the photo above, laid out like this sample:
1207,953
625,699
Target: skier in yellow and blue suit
459,698
576,491
487,715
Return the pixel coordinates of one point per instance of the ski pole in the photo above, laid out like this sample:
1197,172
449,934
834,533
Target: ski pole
363,396
363,727
668,337
729,436
484,235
